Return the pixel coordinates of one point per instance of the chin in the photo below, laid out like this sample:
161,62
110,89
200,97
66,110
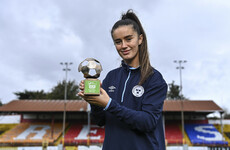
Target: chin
128,59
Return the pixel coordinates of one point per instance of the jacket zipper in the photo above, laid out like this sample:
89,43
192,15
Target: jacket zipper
123,93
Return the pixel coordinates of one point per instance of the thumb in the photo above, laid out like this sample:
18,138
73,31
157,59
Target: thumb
102,90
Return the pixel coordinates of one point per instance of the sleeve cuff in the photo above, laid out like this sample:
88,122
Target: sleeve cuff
107,106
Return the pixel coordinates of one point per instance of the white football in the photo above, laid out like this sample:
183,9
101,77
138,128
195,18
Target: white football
90,67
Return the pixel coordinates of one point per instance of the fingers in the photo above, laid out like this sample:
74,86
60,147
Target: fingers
81,93
81,85
102,90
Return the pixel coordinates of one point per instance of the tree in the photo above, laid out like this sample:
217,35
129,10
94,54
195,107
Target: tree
57,92
31,95
174,92
226,114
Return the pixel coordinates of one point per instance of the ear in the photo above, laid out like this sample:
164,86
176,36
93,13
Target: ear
140,39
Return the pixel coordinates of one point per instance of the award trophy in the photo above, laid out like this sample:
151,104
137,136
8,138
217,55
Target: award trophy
92,84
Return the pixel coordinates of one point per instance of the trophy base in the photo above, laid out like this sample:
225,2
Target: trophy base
92,87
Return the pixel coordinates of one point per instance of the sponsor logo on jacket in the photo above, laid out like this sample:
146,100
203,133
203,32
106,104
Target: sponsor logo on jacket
112,88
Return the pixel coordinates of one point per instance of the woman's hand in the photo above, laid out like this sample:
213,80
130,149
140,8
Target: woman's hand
101,100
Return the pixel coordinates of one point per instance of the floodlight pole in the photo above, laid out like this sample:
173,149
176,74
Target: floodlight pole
89,122
180,67
66,69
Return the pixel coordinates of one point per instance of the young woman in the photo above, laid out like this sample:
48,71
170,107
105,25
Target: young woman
132,96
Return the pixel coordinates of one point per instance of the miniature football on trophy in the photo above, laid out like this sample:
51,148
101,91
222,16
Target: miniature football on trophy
91,68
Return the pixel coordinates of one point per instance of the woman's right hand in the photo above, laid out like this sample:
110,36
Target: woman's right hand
100,100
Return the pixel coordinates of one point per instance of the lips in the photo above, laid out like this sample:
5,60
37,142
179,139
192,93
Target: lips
125,52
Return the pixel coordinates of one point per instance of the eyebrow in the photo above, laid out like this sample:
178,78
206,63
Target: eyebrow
128,36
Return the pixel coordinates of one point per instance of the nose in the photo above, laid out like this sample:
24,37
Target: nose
123,45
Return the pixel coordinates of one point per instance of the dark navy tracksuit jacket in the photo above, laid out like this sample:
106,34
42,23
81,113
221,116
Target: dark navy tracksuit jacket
133,120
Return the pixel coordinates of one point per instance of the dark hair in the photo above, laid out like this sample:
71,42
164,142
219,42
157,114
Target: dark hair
130,18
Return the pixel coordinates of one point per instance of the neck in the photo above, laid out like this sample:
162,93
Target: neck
132,63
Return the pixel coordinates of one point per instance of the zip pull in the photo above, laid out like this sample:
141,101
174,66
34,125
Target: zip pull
123,93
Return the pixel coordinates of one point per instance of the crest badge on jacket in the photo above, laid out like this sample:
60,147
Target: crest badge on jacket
138,90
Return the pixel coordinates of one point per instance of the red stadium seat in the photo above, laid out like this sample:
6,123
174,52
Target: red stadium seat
173,134
78,134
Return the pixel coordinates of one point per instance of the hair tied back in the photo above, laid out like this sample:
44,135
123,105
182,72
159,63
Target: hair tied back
129,15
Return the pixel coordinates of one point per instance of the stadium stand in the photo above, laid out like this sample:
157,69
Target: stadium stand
205,121
78,134
173,134
204,134
31,133
6,127
74,130
42,120
8,148
97,134
226,130
187,140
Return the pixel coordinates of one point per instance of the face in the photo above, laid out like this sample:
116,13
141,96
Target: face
127,43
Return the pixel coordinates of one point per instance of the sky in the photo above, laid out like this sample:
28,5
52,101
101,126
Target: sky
36,35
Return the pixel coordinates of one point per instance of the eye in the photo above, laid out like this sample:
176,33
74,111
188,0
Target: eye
118,42
129,39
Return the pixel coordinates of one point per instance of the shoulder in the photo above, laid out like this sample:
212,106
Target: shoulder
156,74
156,78
114,71
111,76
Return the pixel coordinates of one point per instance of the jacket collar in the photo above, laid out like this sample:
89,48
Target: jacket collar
127,67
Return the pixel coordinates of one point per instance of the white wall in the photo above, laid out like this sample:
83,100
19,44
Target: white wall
10,119
189,148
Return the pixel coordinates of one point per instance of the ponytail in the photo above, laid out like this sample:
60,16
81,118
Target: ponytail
130,18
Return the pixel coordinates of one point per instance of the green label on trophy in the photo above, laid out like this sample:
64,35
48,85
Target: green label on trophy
92,87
